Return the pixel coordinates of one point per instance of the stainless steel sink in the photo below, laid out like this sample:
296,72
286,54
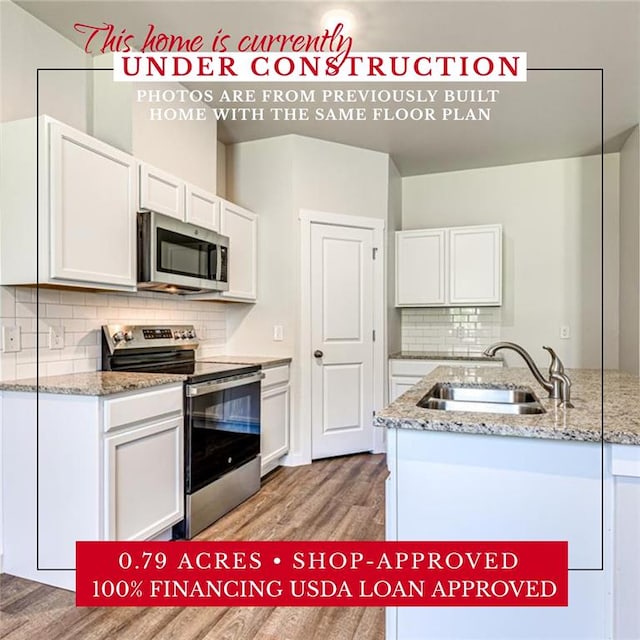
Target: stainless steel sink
451,397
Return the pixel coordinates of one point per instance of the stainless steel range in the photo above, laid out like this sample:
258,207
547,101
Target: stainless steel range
222,416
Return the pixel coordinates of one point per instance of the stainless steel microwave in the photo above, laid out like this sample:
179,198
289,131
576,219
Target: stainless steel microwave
178,257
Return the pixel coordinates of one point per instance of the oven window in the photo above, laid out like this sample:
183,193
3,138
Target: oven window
223,432
184,255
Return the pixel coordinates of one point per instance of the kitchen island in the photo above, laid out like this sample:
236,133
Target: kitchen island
565,474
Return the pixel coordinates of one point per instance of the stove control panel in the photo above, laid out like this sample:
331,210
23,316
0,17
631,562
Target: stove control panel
156,333
144,337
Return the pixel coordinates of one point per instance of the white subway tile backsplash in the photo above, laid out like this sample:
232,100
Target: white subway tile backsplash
86,364
85,312
82,315
25,295
59,368
463,330
59,311
26,371
25,310
45,296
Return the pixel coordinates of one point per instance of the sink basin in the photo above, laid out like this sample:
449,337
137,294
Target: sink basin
451,397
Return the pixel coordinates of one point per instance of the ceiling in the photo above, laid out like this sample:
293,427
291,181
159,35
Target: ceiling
554,114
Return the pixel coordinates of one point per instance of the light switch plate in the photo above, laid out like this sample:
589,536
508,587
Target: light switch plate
56,337
11,339
278,333
565,332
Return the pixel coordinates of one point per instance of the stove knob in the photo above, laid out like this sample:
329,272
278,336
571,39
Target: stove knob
183,335
118,336
176,335
128,336
191,334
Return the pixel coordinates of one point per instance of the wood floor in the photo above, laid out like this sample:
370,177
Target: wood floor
334,499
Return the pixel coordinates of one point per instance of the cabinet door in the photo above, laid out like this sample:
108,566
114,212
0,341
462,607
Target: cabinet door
161,192
475,265
274,426
144,480
420,268
242,228
92,210
399,384
202,208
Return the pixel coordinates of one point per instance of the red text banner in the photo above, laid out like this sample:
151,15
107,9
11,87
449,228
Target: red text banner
302,573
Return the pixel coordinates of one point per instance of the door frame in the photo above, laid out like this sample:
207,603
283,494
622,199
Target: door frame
307,218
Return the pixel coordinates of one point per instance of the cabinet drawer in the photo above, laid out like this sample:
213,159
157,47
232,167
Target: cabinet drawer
142,406
423,367
412,367
276,375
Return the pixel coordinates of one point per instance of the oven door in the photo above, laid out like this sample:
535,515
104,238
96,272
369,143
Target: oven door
222,428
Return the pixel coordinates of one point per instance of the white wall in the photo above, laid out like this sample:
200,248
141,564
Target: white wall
184,148
276,178
550,212
25,45
221,169
629,254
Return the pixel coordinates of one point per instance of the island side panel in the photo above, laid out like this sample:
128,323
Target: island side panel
450,486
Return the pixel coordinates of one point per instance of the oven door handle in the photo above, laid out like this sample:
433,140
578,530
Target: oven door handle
212,387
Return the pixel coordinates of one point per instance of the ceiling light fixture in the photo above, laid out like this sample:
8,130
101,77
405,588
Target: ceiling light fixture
339,16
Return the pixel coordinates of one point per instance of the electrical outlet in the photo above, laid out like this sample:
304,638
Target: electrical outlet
565,332
278,333
56,337
11,339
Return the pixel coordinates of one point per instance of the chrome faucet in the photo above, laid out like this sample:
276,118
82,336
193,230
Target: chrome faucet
558,385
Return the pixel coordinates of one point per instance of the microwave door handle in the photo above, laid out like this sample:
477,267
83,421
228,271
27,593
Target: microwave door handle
213,262
219,263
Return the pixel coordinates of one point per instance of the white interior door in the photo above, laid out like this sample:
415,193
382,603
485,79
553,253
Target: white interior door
342,340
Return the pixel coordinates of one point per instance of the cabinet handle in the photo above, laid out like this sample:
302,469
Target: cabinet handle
317,353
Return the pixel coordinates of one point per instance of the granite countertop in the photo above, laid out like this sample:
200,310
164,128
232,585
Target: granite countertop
583,422
266,362
442,355
95,383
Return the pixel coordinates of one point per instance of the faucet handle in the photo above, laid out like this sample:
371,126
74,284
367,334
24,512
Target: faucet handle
564,384
556,365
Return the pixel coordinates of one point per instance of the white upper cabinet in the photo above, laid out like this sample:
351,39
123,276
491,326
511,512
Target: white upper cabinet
161,192
449,267
420,267
475,274
202,208
241,225
164,193
86,202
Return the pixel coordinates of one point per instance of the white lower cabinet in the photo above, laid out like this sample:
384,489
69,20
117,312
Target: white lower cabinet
107,468
404,373
275,417
144,480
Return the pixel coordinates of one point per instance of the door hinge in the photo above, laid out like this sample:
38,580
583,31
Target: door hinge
375,251
374,335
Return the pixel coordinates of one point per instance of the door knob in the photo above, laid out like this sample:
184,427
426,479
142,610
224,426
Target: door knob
317,353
